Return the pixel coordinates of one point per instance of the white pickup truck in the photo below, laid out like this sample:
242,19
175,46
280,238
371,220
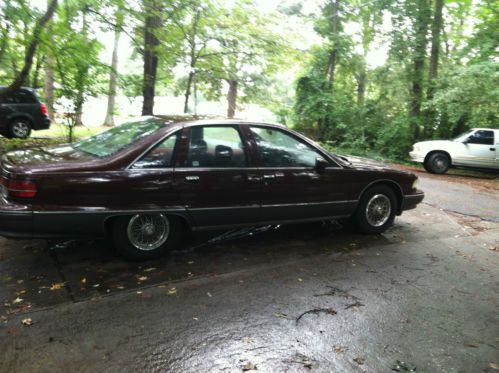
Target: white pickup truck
479,147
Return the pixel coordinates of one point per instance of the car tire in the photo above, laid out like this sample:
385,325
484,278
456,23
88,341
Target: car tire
437,163
19,129
376,210
145,236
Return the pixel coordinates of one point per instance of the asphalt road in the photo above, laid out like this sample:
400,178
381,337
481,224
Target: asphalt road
299,298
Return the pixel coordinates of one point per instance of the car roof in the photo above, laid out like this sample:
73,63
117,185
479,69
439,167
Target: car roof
486,129
199,120
25,88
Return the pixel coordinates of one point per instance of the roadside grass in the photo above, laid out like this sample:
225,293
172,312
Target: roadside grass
56,134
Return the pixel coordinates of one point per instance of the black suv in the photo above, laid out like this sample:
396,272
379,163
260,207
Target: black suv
22,112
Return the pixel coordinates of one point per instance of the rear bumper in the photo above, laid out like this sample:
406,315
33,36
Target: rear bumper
412,200
16,221
41,124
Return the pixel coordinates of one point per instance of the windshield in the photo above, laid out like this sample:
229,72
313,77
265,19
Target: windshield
462,136
112,141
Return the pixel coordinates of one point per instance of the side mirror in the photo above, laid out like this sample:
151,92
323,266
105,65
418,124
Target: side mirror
320,165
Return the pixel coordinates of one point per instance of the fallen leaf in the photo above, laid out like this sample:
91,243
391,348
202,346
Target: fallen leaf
471,345
494,366
143,278
209,294
281,315
190,262
149,269
339,349
359,360
20,292
301,280
195,318
17,300
95,285
172,291
57,286
249,366
83,280
27,322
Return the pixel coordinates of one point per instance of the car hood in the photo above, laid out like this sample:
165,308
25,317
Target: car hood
434,143
46,159
361,162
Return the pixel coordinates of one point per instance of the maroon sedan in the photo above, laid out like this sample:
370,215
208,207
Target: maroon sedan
143,183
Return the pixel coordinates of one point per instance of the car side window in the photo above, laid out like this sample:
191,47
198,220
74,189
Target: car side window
279,149
161,156
482,137
215,146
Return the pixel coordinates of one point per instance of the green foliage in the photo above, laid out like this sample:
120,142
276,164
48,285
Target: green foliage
468,94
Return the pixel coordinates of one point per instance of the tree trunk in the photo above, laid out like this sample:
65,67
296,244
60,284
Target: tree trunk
49,84
151,42
361,86
232,99
31,50
113,78
435,46
188,90
334,53
36,75
4,43
422,20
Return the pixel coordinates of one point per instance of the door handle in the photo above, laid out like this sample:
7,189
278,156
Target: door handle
192,178
492,149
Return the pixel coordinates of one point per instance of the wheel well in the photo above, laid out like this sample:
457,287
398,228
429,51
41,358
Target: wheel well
438,151
108,222
27,119
390,184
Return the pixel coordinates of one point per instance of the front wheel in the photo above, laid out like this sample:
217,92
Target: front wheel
437,163
145,236
376,210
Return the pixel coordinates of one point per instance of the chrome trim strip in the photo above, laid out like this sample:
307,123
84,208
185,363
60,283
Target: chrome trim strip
187,208
101,211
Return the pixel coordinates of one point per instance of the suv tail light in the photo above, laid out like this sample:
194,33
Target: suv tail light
18,188
44,110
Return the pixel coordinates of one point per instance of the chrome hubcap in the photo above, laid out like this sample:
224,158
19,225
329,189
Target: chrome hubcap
440,163
378,210
20,129
148,231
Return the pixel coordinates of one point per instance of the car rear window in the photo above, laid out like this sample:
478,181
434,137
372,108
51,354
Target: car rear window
118,138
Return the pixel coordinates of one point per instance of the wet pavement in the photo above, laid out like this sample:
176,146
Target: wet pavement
298,298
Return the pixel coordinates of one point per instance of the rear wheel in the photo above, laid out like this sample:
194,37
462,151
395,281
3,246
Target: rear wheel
19,128
376,210
437,163
145,236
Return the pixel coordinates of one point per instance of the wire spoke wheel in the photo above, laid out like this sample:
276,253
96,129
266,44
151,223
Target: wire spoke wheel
147,232
378,210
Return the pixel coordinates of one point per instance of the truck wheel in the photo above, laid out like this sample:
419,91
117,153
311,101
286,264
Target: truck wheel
376,210
437,163
145,236
19,128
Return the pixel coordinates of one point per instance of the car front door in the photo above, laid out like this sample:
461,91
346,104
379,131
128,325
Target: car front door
479,149
216,182
293,187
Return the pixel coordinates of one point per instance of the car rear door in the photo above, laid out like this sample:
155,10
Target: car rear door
293,189
216,179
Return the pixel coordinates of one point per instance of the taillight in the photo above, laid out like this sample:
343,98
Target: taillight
18,188
44,109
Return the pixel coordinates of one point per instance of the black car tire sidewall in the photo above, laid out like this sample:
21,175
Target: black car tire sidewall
360,215
11,133
430,161
127,250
